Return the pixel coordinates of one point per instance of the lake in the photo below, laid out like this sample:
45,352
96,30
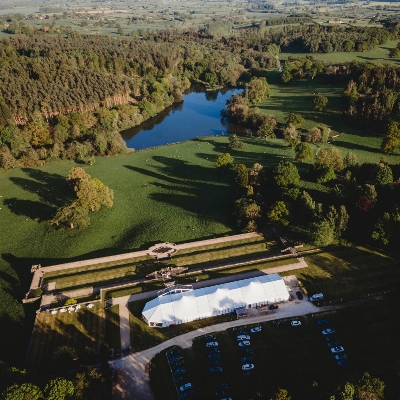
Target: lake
198,115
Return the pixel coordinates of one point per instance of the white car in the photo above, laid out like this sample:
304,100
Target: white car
328,331
243,337
247,367
255,329
185,387
337,349
212,344
295,323
244,343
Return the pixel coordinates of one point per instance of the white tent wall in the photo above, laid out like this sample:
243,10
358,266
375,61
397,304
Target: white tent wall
177,308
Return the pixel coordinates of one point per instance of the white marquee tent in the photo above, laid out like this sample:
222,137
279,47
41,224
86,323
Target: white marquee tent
180,304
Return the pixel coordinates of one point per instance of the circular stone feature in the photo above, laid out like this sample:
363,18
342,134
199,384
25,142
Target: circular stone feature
162,250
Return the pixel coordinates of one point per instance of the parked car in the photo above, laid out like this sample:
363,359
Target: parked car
186,386
221,386
337,349
295,323
214,363
246,360
186,395
212,350
213,356
256,329
242,332
280,324
173,352
341,356
333,344
179,371
212,344
272,307
299,295
244,343
243,337
214,370
322,322
331,336
245,350
328,331
247,367
209,337
175,359
343,363
176,364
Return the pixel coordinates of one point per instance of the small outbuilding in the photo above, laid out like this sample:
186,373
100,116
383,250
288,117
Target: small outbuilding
180,304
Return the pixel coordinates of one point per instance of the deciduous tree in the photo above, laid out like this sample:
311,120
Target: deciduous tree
303,151
224,161
258,90
286,174
319,102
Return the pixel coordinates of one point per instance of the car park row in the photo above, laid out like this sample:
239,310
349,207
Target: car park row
245,351
214,361
336,349
182,379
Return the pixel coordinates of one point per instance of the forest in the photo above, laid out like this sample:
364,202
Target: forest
105,85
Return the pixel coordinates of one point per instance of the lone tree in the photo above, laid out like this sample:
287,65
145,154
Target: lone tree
303,151
295,119
242,176
91,195
319,102
235,142
224,161
286,174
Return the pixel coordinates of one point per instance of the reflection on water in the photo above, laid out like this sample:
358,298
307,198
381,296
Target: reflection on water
198,115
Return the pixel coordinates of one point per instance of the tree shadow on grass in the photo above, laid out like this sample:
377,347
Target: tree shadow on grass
354,146
76,330
51,188
31,209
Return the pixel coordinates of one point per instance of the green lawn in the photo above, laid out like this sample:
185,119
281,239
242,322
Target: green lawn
349,273
295,358
81,329
112,328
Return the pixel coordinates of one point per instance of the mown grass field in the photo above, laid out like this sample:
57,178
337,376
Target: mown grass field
78,330
345,273
295,358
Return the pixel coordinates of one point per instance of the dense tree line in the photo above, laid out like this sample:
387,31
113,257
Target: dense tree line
286,20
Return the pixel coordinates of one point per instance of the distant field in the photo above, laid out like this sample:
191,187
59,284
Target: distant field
380,54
